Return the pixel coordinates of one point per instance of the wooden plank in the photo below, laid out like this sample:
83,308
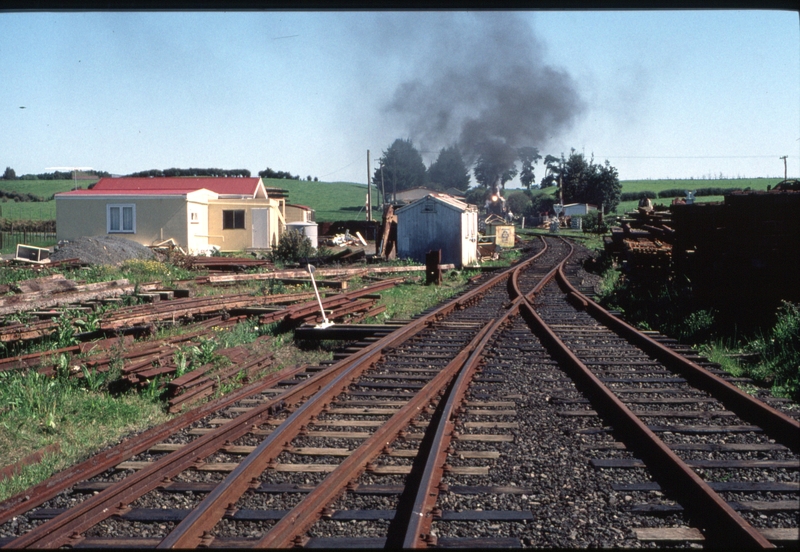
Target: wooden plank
320,271
484,437
405,470
600,463
496,425
668,534
690,534
491,404
487,515
361,411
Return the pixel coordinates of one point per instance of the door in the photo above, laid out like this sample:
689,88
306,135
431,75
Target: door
260,218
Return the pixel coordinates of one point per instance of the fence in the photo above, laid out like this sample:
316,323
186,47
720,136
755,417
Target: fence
9,240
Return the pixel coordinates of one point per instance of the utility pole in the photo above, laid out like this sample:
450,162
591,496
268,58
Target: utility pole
784,166
369,192
383,187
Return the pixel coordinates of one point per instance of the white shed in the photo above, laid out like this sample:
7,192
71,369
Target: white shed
438,222
578,209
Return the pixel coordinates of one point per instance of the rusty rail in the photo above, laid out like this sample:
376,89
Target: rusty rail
65,529
724,525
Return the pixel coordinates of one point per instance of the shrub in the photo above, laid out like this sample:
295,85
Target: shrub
780,352
518,202
635,196
591,223
293,247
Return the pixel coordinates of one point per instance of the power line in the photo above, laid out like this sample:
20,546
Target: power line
691,156
340,169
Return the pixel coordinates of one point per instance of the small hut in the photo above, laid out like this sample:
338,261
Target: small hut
438,221
501,232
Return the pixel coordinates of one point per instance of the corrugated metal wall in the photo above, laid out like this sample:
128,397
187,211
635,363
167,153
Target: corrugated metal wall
428,225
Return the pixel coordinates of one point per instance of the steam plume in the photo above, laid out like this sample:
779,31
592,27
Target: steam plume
484,86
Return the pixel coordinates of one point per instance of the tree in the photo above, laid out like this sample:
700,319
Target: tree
9,174
476,196
529,157
495,165
403,168
449,170
518,203
605,188
551,164
585,181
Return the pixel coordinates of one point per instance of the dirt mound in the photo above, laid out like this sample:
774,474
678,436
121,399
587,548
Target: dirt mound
102,250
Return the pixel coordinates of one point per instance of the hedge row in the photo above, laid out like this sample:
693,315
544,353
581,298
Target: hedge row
677,192
8,225
19,196
635,196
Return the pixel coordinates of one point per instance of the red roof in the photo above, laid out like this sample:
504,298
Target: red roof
173,185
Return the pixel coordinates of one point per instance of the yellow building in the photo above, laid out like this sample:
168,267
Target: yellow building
232,214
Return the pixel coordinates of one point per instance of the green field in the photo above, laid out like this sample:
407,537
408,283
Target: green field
334,201
694,184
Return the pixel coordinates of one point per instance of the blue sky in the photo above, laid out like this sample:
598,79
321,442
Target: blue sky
660,94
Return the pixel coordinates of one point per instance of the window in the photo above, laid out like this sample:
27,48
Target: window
233,220
194,217
121,219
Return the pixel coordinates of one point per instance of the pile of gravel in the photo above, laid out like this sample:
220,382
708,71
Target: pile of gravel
102,250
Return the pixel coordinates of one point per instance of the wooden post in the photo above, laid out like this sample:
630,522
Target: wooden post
369,192
433,273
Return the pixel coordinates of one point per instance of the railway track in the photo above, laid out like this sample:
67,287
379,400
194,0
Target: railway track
498,419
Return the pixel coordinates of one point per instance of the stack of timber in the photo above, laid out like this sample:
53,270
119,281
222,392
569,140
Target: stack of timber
643,241
49,291
224,264
742,253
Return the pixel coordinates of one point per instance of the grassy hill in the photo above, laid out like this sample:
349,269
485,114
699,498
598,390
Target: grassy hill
331,200
344,200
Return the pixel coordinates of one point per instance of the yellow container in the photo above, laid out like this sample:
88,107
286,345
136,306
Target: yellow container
503,234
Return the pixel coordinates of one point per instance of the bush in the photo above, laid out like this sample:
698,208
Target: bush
780,353
635,196
518,202
591,223
293,247
672,192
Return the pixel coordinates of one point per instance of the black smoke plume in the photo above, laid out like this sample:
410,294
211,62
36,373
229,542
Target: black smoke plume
482,84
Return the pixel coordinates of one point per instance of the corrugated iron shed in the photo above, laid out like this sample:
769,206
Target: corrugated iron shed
438,222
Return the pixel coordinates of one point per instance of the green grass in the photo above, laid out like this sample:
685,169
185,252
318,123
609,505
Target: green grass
627,206
332,201
39,210
658,185
39,411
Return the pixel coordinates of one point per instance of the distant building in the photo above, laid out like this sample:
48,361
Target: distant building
438,222
578,209
299,213
413,194
233,214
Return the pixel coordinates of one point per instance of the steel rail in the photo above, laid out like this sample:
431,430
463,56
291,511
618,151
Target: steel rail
417,529
190,531
38,494
66,527
416,533
725,527
291,527
776,424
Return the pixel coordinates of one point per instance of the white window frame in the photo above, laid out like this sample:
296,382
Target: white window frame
121,207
